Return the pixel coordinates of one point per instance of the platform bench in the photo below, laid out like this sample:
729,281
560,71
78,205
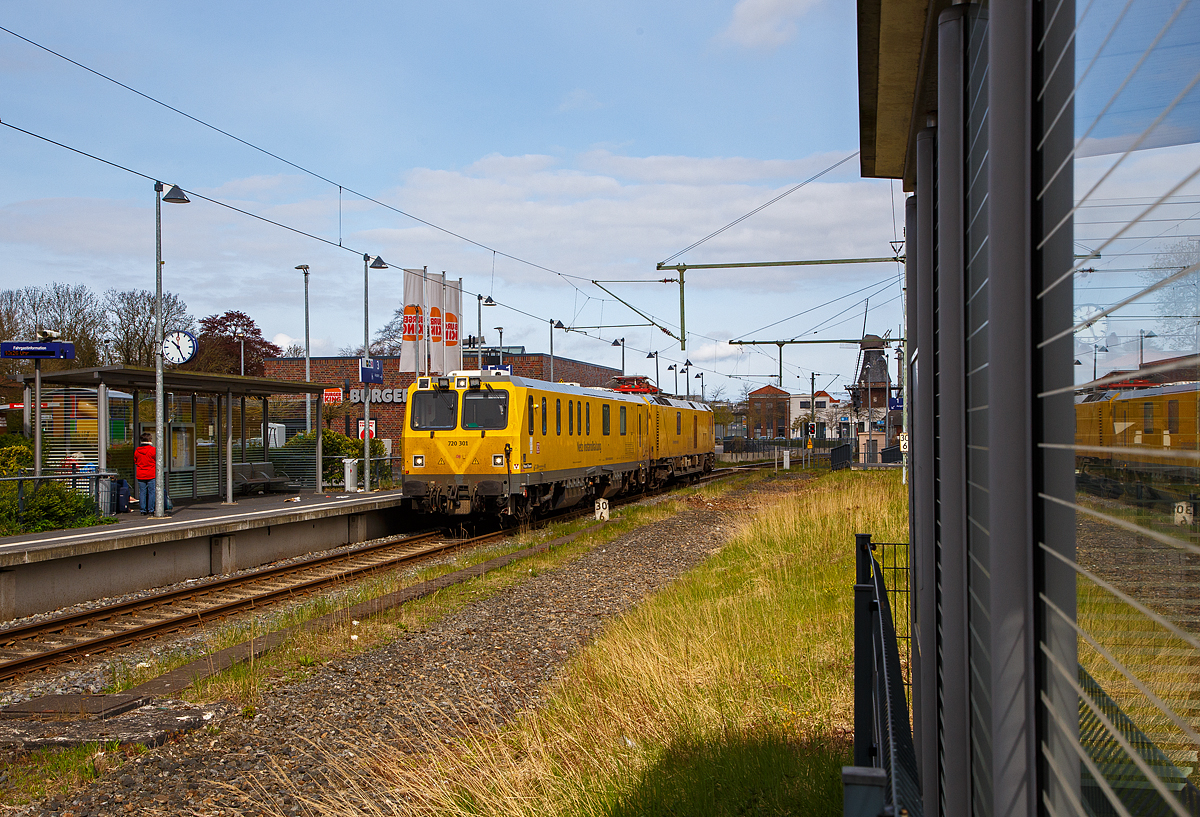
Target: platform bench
258,476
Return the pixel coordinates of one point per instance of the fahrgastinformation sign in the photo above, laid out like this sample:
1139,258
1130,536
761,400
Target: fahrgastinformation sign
38,350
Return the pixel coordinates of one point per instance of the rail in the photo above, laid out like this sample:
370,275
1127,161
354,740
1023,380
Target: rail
884,775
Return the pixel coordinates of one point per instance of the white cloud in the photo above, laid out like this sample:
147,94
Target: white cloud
764,24
579,100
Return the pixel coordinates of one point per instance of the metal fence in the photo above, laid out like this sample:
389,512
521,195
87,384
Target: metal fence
882,725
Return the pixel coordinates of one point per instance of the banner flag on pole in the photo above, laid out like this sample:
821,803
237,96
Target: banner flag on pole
434,300
414,327
450,332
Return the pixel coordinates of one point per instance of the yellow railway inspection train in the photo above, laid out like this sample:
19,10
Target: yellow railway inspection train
1139,444
493,443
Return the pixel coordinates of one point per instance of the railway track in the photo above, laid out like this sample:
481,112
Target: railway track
42,644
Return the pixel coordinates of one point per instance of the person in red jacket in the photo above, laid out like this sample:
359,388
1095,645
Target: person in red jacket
143,463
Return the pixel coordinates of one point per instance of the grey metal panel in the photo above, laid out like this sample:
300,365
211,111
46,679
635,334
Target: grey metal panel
975,237
1010,398
924,598
953,671
1054,416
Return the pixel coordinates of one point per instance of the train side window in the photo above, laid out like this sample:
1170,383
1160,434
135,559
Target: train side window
1148,417
1173,416
532,411
558,417
678,423
544,419
587,417
695,432
570,417
622,421
579,416
605,420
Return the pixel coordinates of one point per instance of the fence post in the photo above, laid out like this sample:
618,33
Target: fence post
864,653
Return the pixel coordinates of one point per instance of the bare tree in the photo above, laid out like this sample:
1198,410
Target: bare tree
295,349
1177,303
131,324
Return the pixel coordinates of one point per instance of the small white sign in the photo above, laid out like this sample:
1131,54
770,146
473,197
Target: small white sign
1184,513
904,443
602,509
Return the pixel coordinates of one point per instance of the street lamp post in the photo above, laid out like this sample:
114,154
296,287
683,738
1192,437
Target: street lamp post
700,375
500,329
369,264
870,430
1142,335
173,196
621,343
307,375
1096,347
655,356
553,325
687,367
672,368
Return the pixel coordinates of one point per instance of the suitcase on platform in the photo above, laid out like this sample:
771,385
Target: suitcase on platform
119,497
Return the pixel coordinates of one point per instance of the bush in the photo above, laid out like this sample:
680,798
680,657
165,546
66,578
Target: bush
48,506
334,447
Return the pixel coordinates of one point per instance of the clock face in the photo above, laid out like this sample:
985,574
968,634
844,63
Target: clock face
179,346
1094,327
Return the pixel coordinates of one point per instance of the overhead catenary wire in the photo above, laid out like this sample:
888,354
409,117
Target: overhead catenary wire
760,208
341,187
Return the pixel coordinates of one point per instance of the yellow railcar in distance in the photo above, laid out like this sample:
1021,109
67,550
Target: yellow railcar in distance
493,443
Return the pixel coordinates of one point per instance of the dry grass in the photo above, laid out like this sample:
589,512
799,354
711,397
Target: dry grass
731,691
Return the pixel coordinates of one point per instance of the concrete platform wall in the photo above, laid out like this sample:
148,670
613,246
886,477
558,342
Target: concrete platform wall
41,587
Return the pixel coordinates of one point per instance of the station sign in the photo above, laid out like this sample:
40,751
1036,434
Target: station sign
895,404
370,370
506,368
377,396
37,350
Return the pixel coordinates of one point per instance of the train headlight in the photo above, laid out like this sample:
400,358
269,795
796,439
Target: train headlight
460,382
498,460
418,460
443,383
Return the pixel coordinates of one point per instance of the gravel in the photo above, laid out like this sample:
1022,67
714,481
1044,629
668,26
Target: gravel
481,664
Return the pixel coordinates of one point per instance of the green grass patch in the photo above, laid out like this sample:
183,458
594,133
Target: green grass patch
54,772
730,692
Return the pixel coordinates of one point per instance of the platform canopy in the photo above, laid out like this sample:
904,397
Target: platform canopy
131,378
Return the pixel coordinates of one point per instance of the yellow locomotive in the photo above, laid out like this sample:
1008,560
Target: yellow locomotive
1140,443
493,443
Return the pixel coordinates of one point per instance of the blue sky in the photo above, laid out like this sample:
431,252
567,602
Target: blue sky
594,139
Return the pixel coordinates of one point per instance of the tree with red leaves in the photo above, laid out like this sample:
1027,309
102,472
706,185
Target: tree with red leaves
221,338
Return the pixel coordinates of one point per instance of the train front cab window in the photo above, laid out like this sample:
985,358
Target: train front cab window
544,418
434,410
485,410
623,421
605,420
558,417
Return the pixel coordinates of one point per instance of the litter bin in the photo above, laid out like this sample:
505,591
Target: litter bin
350,468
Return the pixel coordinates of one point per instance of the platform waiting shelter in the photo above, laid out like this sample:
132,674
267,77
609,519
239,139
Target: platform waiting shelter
200,421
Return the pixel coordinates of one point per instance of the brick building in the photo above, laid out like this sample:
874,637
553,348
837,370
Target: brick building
769,413
387,404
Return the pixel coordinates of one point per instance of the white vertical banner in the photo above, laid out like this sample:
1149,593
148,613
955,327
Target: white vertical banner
452,324
414,326
435,305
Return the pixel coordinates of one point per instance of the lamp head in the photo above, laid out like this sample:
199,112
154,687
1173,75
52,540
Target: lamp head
651,355
378,263
671,367
303,267
559,325
176,196
488,301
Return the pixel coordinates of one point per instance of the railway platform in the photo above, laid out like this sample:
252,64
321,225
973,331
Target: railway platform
46,571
